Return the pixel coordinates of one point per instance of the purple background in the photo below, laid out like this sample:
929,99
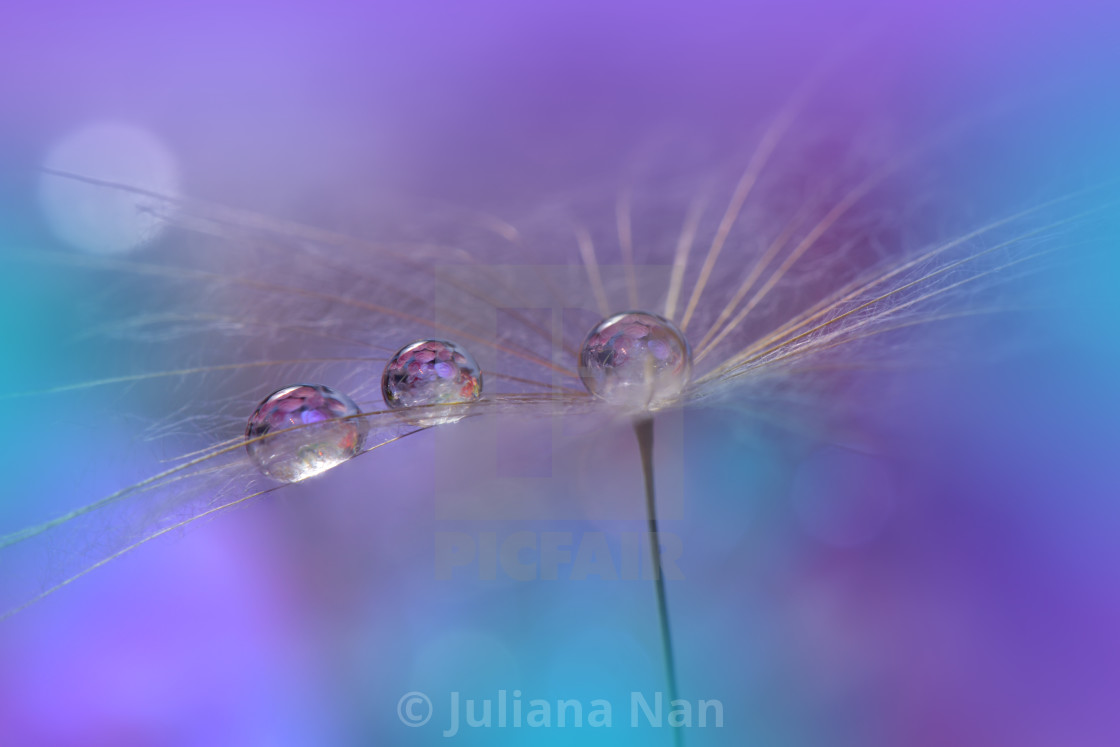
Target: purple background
960,589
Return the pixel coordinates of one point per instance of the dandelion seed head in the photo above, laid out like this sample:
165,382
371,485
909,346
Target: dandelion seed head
302,431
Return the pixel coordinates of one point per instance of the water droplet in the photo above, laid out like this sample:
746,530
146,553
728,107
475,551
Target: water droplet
431,372
308,436
637,360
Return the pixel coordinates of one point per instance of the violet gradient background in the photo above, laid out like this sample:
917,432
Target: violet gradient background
981,609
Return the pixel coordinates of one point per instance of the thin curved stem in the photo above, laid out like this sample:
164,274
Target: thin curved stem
643,429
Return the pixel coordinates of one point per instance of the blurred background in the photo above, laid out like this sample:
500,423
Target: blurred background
944,572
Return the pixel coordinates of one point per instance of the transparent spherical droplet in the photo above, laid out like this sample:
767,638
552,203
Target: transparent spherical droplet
308,434
431,372
636,360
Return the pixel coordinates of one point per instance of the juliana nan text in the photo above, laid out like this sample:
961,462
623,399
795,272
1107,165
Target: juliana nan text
509,710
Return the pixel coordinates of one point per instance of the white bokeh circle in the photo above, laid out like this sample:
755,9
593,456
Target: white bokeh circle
101,219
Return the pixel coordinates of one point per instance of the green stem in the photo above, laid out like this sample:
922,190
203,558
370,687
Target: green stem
643,429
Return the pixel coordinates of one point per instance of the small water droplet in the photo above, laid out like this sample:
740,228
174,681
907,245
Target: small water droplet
636,360
431,372
308,436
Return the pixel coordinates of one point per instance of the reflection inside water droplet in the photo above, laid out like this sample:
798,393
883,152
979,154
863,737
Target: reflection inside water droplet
300,431
637,360
431,372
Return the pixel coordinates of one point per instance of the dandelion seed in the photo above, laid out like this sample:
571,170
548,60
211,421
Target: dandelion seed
636,361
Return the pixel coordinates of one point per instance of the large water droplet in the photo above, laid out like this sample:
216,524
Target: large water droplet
636,360
308,434
431,372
